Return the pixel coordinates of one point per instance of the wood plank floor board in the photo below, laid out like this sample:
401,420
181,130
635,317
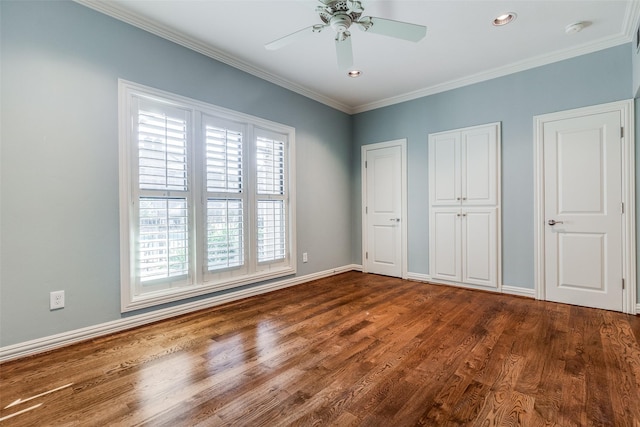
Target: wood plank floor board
598,399
623,357
349,350
459,391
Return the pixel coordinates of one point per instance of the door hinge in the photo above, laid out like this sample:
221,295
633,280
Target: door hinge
366,255
622,283
366,209
365,164
621,132
622,208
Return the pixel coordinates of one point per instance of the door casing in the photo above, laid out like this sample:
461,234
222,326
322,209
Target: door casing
626,110
402,143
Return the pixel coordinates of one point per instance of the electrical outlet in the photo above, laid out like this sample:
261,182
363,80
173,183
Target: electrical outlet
305,258
56,300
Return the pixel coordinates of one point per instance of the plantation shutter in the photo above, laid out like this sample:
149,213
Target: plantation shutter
270,151
204,198
226,199
162,250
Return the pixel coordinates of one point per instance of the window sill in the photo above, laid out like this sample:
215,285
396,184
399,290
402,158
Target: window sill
176,294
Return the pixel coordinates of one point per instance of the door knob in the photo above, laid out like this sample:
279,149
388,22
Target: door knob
395,220
554,222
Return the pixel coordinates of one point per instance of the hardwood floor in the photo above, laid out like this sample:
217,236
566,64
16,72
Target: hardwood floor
354,349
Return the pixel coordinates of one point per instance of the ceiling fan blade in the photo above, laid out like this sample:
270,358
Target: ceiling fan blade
345,53
397,29
283,41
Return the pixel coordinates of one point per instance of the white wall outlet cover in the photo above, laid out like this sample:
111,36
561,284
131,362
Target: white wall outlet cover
56,300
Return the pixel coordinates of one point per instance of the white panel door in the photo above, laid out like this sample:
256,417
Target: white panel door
444,170
384,211
479,165
583,216
445,244
480,246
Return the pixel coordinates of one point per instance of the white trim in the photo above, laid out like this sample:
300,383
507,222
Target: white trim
463,285
506,70
507,290
402,143
40,345
420,277
626,109
523,292
637,308
631,19
632,16
356,267
139,21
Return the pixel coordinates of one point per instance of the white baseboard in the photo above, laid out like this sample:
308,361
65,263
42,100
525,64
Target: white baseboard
356,267
510,290
419,277
40,345
523,292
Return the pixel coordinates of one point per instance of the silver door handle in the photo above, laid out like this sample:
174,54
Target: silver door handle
395,220
554,222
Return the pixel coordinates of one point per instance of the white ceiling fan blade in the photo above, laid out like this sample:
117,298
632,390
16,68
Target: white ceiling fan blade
397,29
345,53
283,41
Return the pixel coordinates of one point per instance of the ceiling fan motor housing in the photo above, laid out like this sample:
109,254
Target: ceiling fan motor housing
339,14
340,22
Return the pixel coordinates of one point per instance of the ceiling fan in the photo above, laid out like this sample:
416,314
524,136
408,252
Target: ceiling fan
340,15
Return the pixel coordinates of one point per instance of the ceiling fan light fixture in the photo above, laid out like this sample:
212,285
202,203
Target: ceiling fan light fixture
354,73
504,19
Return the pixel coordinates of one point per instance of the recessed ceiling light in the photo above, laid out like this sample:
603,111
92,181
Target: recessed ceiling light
504,19
354,73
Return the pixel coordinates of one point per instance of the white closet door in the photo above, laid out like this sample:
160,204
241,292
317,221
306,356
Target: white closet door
464,203
479,166
445,244
479,243
444,170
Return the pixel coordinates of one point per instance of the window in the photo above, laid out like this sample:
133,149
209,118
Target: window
205,197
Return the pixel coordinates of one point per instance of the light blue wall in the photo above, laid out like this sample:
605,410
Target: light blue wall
59,154
59,158
514,100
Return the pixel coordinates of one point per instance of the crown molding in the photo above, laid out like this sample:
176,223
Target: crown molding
629,25
631,19
498,72
196,45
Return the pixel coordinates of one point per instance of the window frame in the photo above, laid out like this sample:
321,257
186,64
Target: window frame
199,280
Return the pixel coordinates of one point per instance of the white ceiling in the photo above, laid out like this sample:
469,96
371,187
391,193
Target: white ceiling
461,46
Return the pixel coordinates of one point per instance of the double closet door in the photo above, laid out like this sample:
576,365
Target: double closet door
464,206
